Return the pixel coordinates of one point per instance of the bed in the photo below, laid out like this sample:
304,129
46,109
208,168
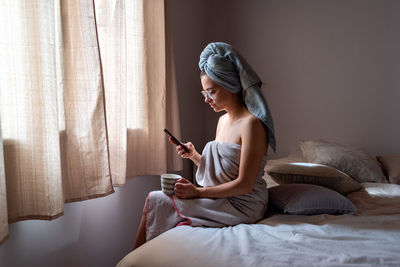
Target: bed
368,237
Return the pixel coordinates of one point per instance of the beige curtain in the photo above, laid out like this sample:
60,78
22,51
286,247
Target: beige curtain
3,198
141,97
85,90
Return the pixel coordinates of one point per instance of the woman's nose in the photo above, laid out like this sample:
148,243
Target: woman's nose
207,99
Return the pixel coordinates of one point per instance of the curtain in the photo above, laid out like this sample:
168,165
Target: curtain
3,198
85,90
138,56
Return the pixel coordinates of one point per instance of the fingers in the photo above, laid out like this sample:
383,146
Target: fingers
179,148
182,194
182,152
184,189
189,145
182,180
181,185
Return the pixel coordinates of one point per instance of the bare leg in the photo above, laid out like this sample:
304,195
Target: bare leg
141,233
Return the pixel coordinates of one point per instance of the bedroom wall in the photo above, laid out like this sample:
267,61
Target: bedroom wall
330,68
187,28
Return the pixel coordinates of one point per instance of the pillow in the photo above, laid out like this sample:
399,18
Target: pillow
268,179
308,199
272,163
391,167
311,173
349,159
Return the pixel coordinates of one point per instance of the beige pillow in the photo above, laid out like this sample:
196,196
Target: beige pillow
391,167
273,162
349,159
311,173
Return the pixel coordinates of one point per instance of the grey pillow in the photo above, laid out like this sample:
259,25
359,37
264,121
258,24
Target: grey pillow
312,173
349,159
308,199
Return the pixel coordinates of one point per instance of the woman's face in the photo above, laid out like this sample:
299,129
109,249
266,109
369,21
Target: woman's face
219,96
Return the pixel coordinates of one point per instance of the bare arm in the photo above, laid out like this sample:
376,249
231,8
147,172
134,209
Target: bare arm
196,157
253,149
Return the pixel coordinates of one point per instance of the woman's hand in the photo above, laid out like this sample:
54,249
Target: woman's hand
193,155
182,151
185,189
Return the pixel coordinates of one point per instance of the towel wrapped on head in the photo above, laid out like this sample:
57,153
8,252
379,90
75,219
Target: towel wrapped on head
226,67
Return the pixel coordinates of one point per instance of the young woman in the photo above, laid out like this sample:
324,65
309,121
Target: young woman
231,167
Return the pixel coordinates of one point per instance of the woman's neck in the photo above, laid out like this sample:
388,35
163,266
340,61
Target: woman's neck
237,111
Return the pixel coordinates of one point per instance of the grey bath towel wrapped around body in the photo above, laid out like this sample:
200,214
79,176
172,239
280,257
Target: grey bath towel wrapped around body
219,164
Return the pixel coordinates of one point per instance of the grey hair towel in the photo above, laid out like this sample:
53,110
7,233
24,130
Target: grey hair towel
226,67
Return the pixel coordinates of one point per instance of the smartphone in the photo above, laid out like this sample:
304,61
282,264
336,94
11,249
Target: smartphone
176,141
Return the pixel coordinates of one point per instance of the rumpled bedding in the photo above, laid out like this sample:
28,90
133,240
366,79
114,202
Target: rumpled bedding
369,238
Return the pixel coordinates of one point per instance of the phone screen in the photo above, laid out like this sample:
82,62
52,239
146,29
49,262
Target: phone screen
176,141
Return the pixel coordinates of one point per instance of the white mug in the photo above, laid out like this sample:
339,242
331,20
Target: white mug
168,181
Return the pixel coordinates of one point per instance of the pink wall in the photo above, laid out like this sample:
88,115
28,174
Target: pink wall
330,68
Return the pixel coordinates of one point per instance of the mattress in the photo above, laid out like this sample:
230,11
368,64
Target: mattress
368,238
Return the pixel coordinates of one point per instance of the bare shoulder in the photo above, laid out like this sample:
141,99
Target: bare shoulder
251,122
252,130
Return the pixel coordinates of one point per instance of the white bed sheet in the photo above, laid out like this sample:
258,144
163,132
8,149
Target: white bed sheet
369,238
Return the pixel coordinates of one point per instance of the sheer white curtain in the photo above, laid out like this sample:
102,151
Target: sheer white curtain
85,90
140,94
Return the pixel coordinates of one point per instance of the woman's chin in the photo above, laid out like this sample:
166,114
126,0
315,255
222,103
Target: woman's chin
215,109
